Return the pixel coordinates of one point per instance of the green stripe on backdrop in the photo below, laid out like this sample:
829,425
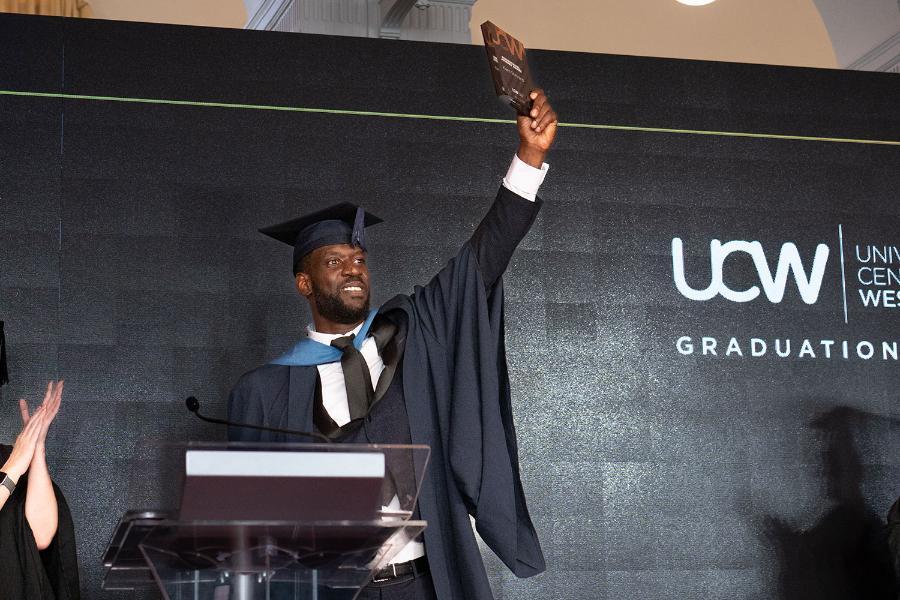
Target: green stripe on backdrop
367,113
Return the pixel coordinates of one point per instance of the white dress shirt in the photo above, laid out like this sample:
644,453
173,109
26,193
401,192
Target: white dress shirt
522,179
334,394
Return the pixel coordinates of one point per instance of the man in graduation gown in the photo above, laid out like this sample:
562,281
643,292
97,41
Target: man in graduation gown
427,368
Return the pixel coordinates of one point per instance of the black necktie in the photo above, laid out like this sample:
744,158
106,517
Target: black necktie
382,331
357,380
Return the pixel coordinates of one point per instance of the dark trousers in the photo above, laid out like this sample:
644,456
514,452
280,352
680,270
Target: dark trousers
411,587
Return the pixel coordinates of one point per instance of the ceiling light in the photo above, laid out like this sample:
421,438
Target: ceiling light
696,2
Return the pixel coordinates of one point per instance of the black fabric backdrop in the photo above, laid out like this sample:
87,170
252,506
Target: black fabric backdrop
130,266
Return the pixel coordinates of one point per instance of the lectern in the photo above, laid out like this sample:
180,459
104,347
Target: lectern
271,521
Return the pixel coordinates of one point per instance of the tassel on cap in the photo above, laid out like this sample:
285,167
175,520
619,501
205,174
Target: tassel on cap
358,237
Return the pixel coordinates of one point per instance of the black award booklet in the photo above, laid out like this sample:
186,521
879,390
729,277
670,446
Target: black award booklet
506,57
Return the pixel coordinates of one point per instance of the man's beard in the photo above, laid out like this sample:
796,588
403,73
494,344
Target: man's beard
333,308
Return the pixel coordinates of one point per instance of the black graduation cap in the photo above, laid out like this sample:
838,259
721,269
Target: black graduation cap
342,223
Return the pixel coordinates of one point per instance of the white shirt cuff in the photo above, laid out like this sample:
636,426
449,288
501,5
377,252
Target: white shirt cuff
523,179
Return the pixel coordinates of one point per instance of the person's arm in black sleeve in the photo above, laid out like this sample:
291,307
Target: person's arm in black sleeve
504,226
514,211
500,231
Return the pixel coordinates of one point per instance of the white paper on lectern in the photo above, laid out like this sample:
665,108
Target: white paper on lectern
235,463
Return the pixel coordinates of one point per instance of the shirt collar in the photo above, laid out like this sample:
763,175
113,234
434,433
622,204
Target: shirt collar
327,338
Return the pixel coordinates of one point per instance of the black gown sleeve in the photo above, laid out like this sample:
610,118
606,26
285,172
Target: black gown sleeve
463,370
495,239
27,573
245,406
893,529
442,302
59,558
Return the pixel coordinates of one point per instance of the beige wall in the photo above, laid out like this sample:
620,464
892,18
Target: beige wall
781,32
212,13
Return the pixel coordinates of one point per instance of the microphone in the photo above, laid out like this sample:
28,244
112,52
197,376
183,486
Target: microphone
193,405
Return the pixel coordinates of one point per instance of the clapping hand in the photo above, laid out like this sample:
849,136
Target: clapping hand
24,448
29,446
50,407
30,455
29,450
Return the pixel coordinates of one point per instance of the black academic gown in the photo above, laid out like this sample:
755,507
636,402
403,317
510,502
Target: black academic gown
27,573
457,396
893,531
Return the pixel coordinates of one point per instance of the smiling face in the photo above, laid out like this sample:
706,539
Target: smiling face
335,281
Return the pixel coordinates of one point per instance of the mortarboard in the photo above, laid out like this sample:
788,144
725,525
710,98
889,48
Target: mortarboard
342,223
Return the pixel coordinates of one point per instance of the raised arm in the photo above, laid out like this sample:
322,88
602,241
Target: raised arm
22,452
512,214
489,250
41,508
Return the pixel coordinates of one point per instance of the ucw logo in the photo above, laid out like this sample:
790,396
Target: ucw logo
497,37
788,262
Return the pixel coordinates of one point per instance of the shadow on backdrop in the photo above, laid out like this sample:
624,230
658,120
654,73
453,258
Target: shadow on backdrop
845,555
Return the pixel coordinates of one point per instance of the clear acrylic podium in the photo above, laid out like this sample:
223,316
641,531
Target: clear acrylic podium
264,521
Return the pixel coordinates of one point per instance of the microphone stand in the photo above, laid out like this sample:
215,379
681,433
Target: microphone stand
193,405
